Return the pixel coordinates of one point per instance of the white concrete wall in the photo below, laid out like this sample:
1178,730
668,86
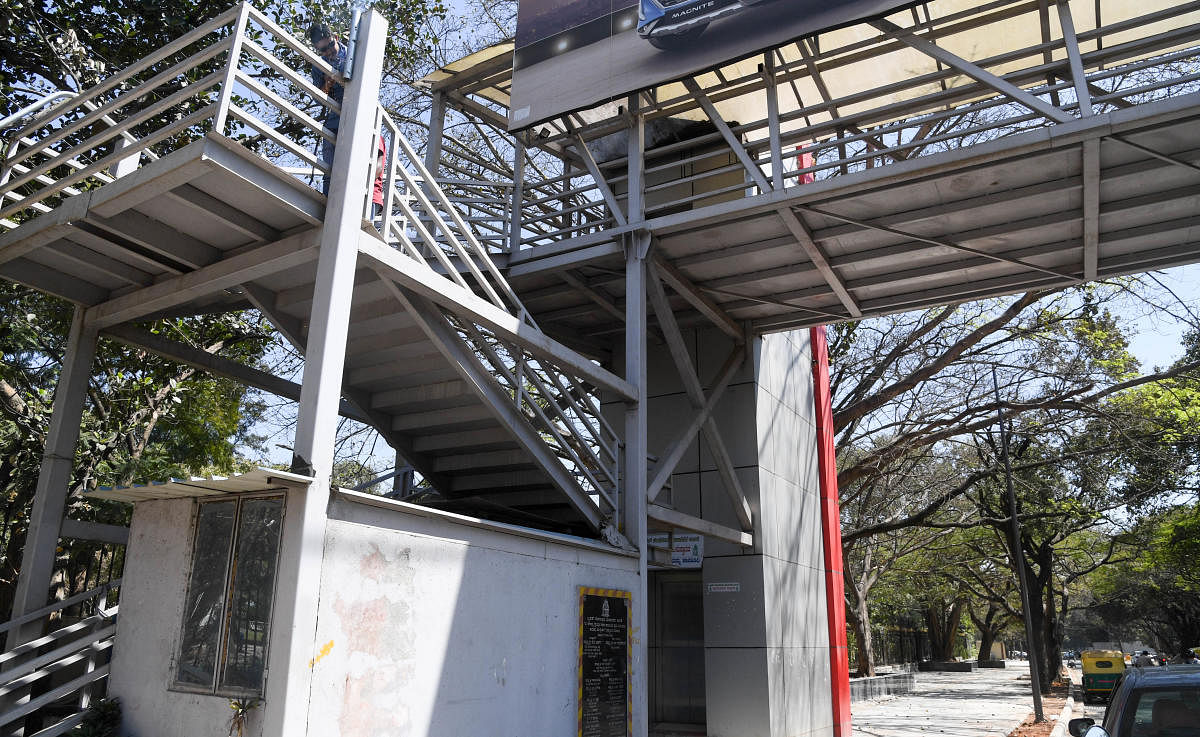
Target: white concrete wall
157,562
430,627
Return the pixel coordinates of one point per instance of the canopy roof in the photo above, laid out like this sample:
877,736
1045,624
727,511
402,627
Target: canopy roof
258,480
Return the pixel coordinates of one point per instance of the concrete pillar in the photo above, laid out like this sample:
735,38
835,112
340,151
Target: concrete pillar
766,644
54,478
765,638
298,579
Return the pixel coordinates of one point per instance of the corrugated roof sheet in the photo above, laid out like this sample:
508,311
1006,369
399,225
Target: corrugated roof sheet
260,479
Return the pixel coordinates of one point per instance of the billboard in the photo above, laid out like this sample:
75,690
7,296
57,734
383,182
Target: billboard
573,54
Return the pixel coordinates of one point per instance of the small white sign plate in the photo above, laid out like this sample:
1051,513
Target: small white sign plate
687,551
731,587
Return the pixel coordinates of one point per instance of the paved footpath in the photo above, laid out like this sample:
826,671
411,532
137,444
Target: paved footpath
989,702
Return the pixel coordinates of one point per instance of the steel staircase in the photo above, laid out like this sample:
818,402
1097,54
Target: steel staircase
185,184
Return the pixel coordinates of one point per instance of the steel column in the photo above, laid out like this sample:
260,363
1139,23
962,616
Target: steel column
298,579
437,123
636,452
518,196
831,535
54,478
633,493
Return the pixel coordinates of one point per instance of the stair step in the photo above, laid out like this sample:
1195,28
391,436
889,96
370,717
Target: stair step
494,438
452,418
507,481
491,460
430,396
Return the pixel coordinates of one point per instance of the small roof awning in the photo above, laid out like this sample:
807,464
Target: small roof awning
486,73
260,479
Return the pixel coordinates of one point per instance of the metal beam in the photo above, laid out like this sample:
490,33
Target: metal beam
54,479
768,72
684,287
295,611
248,266
695,394
94,531
1091,208
264,299
429,284
937,242
605,303
670,459
517,203
158,237
598,178
804,238
1156,154
477,377
437,124
682,521
1072,43
243,222
217,365
752,167
979,74
631,502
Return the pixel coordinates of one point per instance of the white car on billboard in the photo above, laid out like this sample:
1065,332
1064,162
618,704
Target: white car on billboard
672,24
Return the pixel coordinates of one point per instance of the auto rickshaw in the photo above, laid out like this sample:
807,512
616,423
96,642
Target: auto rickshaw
1101,671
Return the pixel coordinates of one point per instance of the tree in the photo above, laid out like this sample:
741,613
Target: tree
144,418
912,392
1157,592
69,44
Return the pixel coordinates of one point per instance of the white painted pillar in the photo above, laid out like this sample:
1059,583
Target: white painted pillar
54,478
637,245
437,123
294,620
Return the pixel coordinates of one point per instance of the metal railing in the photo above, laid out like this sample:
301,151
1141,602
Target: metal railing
49,682
422,221
236,75
831,120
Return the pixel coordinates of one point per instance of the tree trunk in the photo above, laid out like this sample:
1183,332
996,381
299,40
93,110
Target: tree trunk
860,623
943,626
989,626
1041,601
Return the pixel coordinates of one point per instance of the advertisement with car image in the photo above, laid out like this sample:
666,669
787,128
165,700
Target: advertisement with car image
573,54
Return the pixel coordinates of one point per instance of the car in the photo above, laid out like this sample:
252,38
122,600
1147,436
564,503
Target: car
1149,702
673,24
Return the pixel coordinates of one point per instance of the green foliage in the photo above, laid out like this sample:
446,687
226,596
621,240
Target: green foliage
144,418
241,713
1156,590
101,720
69,44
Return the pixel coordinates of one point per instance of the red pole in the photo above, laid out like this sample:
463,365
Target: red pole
831,536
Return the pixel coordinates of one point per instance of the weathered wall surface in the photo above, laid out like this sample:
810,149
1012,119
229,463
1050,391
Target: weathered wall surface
428,627
152,595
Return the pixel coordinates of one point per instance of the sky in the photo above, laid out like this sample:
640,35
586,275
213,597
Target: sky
1158,338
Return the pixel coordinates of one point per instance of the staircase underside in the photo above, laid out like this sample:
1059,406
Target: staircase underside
1025,211
212,227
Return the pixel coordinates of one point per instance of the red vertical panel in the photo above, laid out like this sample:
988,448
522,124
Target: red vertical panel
831,536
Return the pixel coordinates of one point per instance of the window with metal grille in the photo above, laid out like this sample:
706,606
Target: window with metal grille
227,614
